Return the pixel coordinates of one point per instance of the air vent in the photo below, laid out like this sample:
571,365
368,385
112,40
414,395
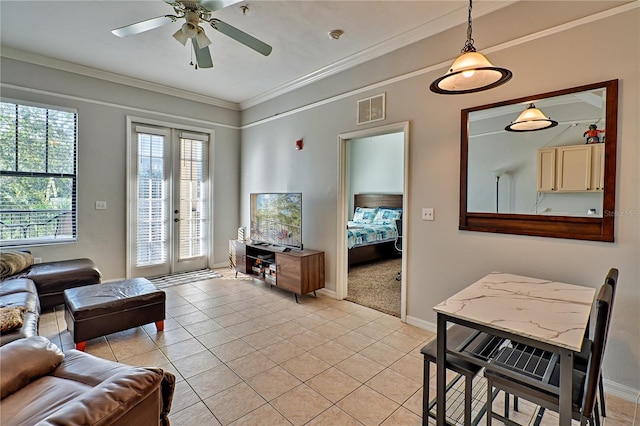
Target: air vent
371,109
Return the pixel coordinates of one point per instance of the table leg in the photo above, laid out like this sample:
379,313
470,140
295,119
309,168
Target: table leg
441,336
566,386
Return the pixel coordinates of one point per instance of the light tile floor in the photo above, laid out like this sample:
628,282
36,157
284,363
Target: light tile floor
246,354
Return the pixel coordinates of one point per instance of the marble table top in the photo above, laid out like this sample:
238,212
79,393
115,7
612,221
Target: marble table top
546,311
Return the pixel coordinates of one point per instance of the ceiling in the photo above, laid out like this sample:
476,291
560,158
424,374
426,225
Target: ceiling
66,34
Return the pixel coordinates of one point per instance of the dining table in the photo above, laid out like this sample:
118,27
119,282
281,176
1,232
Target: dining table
544,314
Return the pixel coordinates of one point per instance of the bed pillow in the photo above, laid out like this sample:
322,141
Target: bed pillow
364,215
387,216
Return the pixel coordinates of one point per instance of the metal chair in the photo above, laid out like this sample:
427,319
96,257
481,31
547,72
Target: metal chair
585,384
581,360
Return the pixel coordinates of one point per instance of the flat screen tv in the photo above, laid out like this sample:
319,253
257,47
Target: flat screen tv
276,218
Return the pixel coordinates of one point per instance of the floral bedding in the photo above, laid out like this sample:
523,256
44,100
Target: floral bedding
362,234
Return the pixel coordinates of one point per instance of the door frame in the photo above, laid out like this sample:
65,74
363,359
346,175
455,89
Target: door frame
343,206
130,122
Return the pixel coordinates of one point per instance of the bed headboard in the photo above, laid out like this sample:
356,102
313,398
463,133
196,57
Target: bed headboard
377,200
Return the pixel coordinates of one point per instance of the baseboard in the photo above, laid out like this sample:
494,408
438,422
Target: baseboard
621,391
328,293
220,265
420,323
112,280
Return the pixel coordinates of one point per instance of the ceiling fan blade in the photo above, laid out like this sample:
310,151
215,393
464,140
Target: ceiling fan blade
213,5
241,36
143,26
203,56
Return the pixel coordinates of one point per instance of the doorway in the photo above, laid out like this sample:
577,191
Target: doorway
345,205
168,212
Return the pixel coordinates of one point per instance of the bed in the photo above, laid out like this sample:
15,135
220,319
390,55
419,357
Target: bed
372,233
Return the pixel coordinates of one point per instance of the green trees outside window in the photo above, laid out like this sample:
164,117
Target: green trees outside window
37,175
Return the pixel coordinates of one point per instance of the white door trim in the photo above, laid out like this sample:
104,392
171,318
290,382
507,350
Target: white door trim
130,122
343,205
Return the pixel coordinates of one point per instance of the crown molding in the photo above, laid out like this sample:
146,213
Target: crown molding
428,29
46,61
509,44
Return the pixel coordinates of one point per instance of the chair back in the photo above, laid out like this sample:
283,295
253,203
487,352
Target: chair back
612,281
603,315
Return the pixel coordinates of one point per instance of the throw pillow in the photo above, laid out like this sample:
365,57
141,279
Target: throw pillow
11,318
12,262
24,360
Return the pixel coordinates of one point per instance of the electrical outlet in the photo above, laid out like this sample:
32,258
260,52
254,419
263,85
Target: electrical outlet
101,205
37,260
427,214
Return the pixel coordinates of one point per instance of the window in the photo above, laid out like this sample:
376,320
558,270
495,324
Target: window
37,175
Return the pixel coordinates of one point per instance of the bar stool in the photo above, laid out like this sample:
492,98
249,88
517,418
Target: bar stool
457,335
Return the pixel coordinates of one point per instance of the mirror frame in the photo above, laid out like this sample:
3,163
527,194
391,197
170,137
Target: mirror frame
579,228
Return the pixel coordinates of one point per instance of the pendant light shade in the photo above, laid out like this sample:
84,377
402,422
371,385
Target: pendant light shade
471,72
530,120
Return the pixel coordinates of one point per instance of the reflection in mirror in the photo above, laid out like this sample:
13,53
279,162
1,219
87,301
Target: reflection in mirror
555,181
504,170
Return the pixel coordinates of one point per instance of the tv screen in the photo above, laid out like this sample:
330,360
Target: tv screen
276,218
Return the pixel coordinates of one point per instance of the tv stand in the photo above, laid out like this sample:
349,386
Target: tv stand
297,271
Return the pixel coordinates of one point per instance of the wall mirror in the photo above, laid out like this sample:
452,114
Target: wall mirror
558,181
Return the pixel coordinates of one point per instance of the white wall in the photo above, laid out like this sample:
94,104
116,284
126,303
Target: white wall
102,110
441,259
376,164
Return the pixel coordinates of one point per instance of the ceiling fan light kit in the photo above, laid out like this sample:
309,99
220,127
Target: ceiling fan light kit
194,12
201,37
471,72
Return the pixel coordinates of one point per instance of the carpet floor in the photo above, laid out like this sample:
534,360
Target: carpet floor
374,285
179,278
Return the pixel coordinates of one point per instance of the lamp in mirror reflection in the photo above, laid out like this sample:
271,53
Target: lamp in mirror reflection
471,72
530,120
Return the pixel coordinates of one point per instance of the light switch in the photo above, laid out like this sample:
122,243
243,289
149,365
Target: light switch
101,205
427,214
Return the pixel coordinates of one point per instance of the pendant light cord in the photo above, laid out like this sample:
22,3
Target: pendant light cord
468,46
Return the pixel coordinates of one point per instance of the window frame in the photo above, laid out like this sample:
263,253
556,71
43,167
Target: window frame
66,219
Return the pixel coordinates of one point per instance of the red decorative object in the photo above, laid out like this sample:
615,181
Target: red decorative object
593,134
299,144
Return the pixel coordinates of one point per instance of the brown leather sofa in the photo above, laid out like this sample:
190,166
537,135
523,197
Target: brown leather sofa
41,385
41,286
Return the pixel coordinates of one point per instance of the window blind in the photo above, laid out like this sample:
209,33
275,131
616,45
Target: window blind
38,181
151,233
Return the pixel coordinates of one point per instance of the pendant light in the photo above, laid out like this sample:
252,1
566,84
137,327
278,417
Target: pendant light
471,72
530,120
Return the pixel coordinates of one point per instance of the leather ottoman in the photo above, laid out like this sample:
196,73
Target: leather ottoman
101,309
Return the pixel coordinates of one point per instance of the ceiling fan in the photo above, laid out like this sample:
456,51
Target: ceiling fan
195,12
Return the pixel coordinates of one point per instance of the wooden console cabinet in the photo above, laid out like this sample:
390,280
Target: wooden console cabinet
297,271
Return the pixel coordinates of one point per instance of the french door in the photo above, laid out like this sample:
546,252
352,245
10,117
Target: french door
169,209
